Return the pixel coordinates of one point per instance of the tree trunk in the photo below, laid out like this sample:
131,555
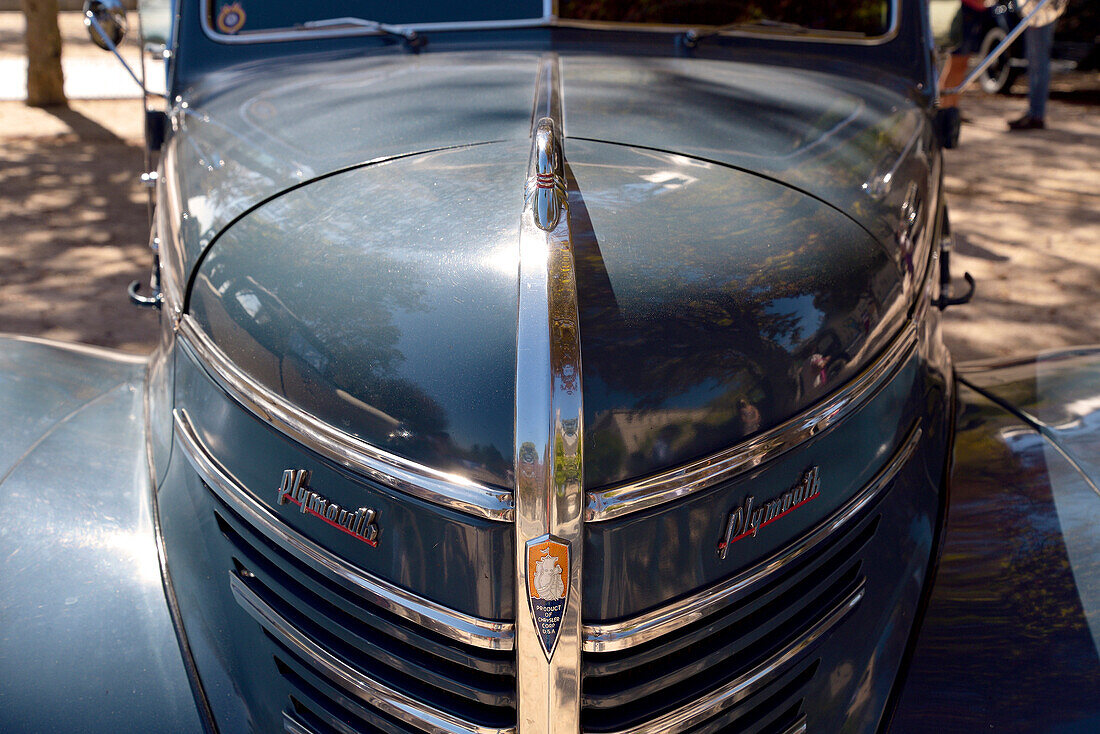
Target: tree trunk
45,83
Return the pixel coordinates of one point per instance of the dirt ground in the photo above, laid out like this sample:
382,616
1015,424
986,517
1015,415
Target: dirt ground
1025,207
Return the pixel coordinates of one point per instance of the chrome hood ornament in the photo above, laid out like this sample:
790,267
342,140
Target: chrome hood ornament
546,193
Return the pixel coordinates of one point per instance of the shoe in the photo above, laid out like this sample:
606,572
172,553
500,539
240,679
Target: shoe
1027,122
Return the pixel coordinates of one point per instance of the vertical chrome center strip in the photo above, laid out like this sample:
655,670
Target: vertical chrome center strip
549,498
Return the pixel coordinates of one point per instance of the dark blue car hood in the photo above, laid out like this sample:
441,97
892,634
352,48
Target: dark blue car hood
732,224
714,303
247,133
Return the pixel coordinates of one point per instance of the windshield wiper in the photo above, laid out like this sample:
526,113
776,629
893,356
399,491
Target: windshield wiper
692,36
413,39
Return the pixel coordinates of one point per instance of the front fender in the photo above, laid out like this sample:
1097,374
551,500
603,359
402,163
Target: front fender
86,638
1011,631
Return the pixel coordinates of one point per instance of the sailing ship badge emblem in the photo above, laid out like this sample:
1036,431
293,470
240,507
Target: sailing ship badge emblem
548,587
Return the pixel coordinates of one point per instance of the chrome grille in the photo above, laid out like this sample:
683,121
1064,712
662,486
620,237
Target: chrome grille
374,665
727,656
358,647
737,665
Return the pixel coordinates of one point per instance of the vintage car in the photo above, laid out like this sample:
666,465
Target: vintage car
548,367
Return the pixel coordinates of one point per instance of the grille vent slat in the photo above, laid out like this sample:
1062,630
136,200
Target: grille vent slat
770,714
786,584
471,685
660,679
389,638
324,709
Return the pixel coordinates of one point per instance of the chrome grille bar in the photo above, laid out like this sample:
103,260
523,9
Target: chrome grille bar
742,686
454,625
666,619
798,727
378,695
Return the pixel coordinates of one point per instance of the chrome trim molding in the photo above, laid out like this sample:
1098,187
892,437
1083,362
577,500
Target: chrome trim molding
798,727
672,484
548,441
376,694
293,726
721,699
398,473
455,625
671,617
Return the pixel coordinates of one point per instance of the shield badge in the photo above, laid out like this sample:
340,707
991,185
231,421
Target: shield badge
548,587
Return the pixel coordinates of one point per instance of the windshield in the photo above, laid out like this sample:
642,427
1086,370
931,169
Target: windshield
862,17
242,17
865,17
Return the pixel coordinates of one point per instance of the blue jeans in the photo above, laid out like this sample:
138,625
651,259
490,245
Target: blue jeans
1038,42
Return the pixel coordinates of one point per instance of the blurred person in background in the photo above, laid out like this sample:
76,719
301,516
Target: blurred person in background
1038,40
966,37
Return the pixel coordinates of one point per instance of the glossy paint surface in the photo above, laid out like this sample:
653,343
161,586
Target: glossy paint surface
245,134
714,304
1005,644
249,133
449,557
87,643
832,136
382,301
632,559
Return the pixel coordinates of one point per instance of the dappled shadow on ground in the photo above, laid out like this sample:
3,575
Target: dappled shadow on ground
73,234
1026,207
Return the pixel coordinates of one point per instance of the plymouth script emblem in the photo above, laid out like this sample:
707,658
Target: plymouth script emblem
745,521
361,523
548,587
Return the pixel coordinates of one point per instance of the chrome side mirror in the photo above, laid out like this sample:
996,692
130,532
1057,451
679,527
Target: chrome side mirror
106,22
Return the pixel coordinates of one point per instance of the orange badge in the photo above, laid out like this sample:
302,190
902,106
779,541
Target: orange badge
231,18
548,587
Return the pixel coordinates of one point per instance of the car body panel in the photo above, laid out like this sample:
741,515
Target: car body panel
366,305
401,328
81,597
685,342
450,557
244,135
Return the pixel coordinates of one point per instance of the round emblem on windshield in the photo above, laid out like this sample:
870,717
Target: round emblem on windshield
231,18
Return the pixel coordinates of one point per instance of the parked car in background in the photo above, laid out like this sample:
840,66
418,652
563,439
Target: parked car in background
548,367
